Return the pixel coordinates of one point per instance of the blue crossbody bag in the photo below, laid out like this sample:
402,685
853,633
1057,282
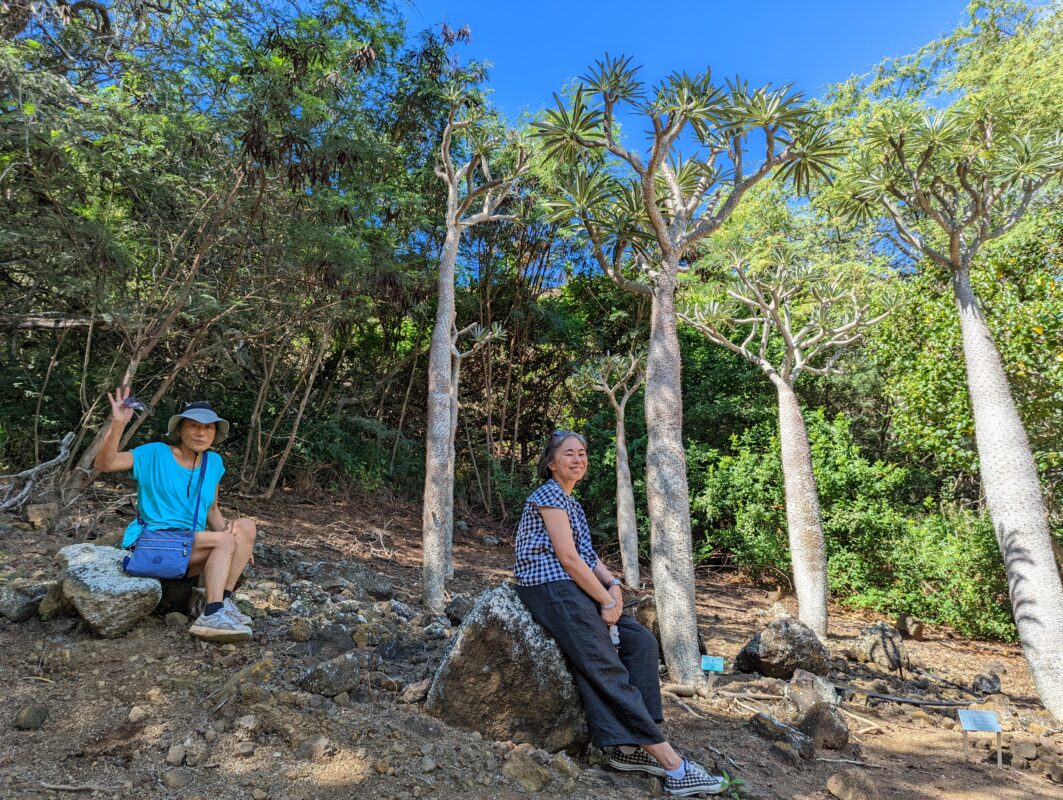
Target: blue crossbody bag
164,554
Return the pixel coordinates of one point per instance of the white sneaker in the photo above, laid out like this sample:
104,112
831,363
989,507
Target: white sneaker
219,627
234,611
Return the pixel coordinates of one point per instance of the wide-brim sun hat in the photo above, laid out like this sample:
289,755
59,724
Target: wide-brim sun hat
200,412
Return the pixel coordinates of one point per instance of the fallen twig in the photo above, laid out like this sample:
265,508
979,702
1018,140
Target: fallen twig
36,678
850,761
84,787
751,695
874,725
683,705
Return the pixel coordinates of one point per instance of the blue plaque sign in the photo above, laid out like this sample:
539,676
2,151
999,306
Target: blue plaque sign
979,721
711,664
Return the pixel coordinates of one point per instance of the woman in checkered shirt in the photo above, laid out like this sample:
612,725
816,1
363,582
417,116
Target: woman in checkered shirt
574,596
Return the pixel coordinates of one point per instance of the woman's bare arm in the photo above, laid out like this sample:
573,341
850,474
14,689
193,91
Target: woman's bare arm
560,531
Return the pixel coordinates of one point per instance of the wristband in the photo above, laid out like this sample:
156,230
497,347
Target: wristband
606,608
613,582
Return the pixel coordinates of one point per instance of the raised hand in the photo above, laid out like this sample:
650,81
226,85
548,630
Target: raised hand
120,412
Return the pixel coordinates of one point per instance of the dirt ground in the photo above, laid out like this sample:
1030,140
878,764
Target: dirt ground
373,747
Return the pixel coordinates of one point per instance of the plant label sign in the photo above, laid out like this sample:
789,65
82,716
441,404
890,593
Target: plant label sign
711,664
980,722
985,721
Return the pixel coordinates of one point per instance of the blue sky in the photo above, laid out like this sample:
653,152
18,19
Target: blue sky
536,48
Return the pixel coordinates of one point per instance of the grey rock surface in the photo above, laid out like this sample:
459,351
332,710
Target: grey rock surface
805,689
882,644
775,731
852,784
458,607
20,599
825,725
503,676
340,674
111,602
784,646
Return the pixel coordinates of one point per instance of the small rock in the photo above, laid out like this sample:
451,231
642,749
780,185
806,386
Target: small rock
176,620
459,605
137,714
852,784
415,692
403,610
427,764
247,723
524,771
31,718
987,683
1024,748
786,753
563,764
20,600
340,674
245,749
313,749
382,767
910,627
434,631
300,629
175,756
177,778
490,541
806,689
40,514
259,794
826,726
773,730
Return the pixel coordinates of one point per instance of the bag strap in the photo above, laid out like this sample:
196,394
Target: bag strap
199,487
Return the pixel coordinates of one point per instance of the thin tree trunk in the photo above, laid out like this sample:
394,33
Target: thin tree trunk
298,416
667,491
807,552
402,414
626,528
439,465
1013,494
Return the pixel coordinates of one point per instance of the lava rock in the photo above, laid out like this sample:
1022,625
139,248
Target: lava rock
852,784
31,718
340,674
881,644
910,627
503,675
524,771
109,600
784,646
458,607
20,599
177,778
826,726
988,683
775,731
806,690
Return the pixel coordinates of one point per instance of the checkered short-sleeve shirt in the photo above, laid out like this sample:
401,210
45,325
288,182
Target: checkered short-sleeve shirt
536,560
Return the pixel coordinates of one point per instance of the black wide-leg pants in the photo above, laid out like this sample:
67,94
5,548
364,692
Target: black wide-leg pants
621,691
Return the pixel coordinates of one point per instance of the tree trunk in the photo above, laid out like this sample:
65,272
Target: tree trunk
666,488
1013,494
439,462
807,552
626,528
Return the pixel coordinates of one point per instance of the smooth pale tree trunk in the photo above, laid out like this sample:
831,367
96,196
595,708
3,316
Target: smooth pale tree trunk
667,492
1013,494
439,459
626,529
803,524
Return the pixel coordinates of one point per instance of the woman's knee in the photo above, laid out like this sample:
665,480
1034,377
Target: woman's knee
245,529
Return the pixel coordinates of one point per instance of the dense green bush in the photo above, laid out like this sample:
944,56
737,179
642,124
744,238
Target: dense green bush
885,551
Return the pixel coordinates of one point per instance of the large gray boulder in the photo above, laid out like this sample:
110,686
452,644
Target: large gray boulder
783,646
506,678
105,597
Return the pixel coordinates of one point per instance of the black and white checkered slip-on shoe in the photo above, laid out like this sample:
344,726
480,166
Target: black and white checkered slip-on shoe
639,761
696,781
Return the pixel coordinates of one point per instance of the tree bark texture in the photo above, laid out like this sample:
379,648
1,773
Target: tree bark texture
626,527
1013,494
667,491
442,412
807,552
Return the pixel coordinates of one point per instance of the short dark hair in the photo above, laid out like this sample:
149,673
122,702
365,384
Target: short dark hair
546,458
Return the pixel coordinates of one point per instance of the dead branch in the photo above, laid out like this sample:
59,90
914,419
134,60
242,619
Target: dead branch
31,475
